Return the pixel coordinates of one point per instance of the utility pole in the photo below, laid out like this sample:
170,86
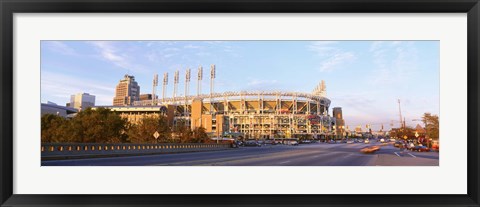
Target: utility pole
400,110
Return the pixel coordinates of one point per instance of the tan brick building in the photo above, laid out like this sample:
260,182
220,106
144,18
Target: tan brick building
126,92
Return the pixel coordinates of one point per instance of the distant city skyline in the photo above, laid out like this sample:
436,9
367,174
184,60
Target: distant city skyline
365,78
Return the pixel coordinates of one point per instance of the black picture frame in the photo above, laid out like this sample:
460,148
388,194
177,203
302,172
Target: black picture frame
10,7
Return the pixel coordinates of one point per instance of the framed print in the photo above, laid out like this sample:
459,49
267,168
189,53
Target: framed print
200,103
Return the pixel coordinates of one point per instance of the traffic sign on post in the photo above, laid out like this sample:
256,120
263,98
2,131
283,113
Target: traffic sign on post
156,135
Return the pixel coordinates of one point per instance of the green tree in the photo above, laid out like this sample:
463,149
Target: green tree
182,132
143,131
400,133
432,125
53,128
98,126
200,135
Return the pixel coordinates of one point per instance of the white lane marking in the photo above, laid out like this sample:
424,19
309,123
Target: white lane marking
285,162
316,156
397,154
411,155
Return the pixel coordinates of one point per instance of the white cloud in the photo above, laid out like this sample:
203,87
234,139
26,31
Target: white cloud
254,84
171,49
201,54
336,59
192,47
323,48
63,86
110,53
257,82
169,55
59,47
395,61
360,108
331,56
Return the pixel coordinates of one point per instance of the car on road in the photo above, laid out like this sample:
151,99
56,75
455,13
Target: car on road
409,146
331,142
305,142
278,141
350,141
382,140
398,144
369,150
252,144
367,141
420,149
291,142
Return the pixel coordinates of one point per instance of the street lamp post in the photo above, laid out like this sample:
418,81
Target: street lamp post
416,136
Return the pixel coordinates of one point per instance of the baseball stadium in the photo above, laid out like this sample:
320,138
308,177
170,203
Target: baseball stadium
245,114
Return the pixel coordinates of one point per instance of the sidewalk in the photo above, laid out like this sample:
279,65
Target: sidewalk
405,160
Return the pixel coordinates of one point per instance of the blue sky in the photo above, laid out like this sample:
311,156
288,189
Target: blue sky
365,78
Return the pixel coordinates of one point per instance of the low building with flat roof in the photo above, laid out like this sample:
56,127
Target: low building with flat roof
135,113
52,108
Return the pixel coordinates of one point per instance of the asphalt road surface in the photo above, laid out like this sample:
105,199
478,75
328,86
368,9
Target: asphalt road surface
315,154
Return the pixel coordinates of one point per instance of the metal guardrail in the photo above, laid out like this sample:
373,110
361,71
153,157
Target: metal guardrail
93,149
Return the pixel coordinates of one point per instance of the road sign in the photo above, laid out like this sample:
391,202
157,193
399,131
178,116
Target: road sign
156,135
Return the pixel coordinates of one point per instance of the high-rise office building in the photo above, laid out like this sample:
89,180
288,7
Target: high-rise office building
340,123
126,92
82,101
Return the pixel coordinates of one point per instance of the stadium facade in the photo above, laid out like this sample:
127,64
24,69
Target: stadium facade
253,114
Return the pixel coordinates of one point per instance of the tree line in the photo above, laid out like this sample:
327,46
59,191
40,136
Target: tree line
431,125
104,126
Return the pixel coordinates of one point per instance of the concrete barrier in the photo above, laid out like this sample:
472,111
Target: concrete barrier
51,151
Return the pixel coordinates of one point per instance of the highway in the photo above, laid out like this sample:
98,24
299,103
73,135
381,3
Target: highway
315,154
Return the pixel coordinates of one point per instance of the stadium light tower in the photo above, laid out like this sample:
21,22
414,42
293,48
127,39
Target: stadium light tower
165,83
175,84
154,89
199,80
187,82
212,77
187,88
